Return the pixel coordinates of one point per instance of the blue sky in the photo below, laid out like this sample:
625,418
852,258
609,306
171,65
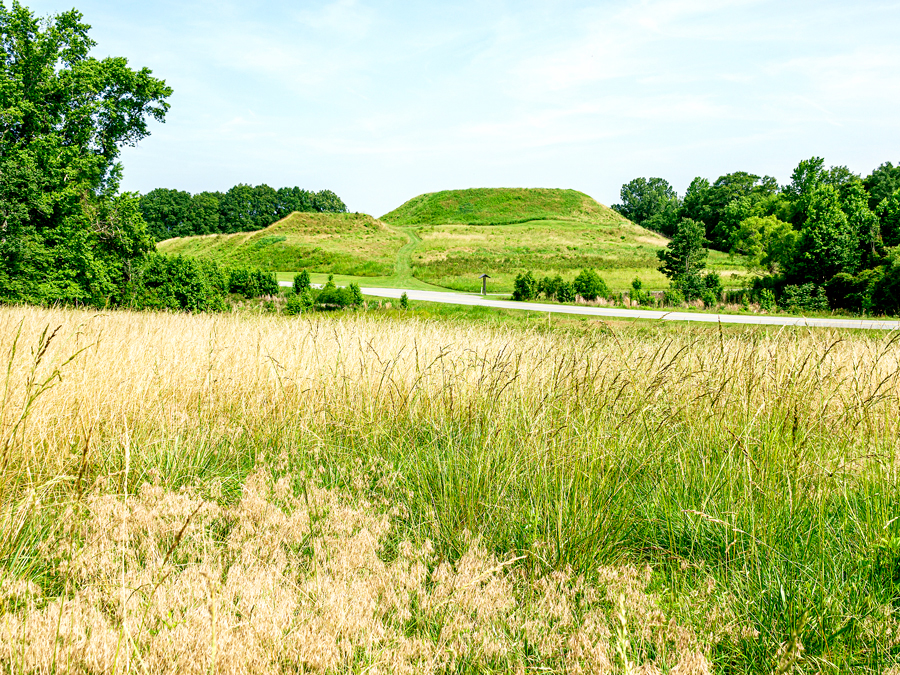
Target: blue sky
383,100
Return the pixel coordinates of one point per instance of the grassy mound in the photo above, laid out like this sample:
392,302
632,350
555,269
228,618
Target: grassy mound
346,243
500,206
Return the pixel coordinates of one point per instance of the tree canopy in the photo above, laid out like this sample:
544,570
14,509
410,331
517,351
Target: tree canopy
66,234
243,208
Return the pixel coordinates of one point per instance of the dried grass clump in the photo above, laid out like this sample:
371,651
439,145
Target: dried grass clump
163,581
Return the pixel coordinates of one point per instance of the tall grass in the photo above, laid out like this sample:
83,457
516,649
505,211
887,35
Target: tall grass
734,497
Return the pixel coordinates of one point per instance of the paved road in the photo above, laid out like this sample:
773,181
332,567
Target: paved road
581,310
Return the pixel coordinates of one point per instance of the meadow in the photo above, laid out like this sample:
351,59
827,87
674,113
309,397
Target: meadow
445,240
243,493
348,244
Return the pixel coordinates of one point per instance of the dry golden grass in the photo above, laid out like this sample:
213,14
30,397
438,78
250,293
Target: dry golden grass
126,552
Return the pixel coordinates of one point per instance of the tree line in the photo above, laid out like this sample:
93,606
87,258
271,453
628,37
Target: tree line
829,238
243,208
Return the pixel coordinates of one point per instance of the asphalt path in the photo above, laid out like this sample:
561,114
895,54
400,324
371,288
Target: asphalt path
452,298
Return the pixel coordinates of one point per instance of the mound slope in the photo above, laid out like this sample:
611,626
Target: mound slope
345,243
500,206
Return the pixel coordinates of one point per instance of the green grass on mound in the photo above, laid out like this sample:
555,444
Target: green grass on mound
347,243
500,206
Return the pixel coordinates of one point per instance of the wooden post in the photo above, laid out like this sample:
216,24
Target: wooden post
484,278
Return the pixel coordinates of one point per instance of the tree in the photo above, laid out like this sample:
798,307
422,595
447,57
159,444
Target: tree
646,199
889,213
167,213
684,258
301,282
590,286
860,218
882,183
767,241
525,286
65,233
828,243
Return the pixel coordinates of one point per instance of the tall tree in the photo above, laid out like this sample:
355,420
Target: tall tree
684,259
649,199
828,243
65,232
882,183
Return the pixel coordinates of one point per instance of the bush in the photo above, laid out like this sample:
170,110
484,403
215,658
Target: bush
638,295
565,291
673,297
356,296
547,286
252,283
590,286
709,299
807,297
301,282
404,301
525,287
298,302
178,283
767,299
712,282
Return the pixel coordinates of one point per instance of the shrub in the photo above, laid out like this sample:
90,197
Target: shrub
298,302
712,282
301,282
252,283
565,291
525,287
806,297
673,297
404,301
356,296
547,286
767,299
638,295
590,286
709,298
178,283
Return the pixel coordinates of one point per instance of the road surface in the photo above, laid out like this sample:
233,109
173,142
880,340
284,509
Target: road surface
452,298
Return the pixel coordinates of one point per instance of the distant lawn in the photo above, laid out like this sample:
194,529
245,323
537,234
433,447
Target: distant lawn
454,255
348,243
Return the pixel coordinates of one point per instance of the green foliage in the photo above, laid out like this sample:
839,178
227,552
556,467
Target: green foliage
177,283
565,291
828,243
673,297
651,203
298,303
768,242
301,282
685,257
590,286
882,183
767,300
64,115
804,297
638,295
252,283
404,301
243,208
889,214
525,286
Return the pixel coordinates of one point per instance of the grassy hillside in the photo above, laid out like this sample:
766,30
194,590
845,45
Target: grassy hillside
346,243
500,206
548,231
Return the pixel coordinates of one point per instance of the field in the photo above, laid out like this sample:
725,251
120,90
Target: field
350,244
354,493
448,239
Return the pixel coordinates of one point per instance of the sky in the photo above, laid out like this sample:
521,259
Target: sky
383,100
